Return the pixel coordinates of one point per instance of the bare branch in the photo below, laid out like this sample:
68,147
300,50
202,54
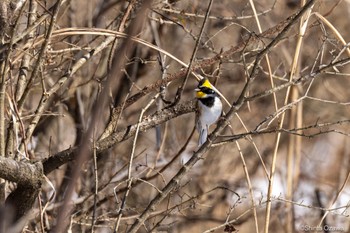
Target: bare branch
148,122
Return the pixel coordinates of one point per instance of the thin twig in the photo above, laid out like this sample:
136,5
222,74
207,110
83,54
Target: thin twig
41,56
4,67
93,219
339,191
121,28
250,187
227,18
130,178
22,76
34,73
193,56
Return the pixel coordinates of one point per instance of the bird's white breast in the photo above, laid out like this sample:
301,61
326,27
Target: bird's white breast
210,115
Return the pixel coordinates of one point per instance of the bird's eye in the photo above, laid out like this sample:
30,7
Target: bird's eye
207,90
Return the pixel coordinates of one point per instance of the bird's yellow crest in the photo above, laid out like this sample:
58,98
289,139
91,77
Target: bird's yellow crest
205,83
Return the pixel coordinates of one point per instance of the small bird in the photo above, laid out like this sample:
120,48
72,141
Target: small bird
209,108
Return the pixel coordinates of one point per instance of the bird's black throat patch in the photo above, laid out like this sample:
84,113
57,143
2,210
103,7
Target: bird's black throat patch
208,101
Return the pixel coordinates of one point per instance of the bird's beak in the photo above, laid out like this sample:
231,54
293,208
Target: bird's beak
197,89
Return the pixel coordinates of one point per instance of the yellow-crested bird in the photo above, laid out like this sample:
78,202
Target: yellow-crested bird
209,108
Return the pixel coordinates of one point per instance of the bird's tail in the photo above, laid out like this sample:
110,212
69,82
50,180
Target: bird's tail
203,134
